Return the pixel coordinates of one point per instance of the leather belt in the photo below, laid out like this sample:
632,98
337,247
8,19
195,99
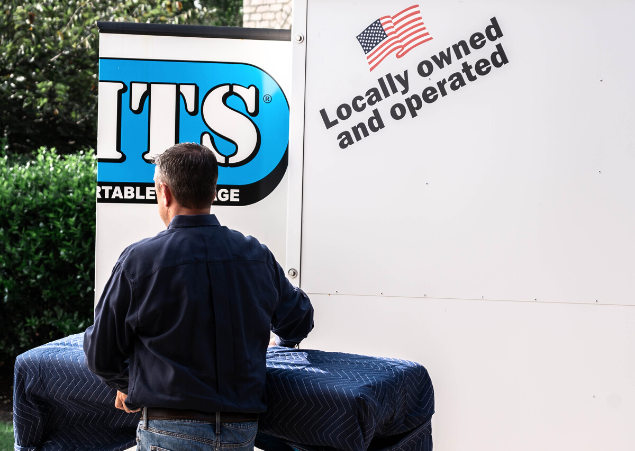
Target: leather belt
159,413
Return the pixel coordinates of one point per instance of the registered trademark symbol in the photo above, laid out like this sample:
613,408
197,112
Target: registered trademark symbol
267,98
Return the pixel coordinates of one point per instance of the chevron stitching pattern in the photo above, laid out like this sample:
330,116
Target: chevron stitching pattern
343,401
418,439
316,400
58,404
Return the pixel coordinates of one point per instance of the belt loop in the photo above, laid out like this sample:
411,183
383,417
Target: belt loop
145,418
217,430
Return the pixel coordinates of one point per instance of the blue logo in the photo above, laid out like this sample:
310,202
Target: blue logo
146,106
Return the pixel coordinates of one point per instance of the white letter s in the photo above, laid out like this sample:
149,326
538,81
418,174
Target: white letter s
230,124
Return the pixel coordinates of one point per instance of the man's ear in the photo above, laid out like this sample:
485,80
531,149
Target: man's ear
166,194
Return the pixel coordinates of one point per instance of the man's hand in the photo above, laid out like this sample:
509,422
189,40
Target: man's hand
120,402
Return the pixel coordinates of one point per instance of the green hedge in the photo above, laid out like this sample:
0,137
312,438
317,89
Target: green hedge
47,248
6,436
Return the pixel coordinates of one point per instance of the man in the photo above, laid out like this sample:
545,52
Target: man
183,324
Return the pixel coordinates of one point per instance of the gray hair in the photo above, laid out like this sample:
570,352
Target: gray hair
191,172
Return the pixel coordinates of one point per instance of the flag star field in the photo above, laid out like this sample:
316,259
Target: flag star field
371,36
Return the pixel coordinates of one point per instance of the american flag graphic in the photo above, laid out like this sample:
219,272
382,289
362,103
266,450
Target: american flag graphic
399,33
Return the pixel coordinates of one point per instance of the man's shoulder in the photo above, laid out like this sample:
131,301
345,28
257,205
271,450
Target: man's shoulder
144,244
245,246
179,246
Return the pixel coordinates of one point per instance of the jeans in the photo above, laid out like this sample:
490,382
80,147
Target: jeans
193,435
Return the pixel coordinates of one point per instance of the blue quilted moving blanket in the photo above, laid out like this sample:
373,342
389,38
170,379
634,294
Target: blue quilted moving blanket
317,401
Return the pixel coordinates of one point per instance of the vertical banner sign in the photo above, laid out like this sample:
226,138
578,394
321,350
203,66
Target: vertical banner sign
160,85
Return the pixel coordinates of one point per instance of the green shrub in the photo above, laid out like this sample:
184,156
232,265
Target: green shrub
6,436
47,248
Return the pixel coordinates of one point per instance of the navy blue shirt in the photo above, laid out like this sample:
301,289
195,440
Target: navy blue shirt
184,319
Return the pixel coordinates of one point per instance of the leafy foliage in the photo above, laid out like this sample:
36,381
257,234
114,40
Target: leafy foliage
47,249
48,76
6,436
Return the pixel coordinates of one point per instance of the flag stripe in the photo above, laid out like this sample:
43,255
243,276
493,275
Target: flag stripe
407,47
382,58
417,21
417,26
401,19
415,44
405,11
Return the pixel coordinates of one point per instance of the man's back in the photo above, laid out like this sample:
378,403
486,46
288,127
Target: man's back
183,323
199,301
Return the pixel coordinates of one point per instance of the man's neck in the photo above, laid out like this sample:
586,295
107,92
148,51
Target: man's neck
177,210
